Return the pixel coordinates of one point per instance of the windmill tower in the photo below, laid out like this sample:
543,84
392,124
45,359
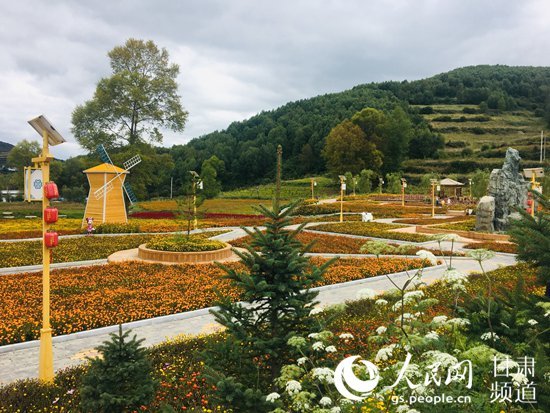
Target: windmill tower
107,187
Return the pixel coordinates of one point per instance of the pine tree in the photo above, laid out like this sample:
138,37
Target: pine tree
276,288
532,234
119,381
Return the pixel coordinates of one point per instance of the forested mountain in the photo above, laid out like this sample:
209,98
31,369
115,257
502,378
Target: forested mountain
301,127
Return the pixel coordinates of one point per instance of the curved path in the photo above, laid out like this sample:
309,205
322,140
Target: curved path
20,361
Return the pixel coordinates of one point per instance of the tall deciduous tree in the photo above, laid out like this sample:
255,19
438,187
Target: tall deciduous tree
347,149
21,154
130,106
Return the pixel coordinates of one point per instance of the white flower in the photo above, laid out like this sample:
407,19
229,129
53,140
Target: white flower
507,364
459,322
271,397
318,346
381,302
385,353
432,335
519,379
366,293
293,387
316,311
547,314
446,237
413,295
454,277
481,254
313,335
439,319
402,409
381,330
301,361
396,306
428,256
325,401
346,336
440,358
330,349
489,336
323,374
335,409
533,322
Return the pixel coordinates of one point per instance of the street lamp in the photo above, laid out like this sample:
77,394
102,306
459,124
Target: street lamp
342,189
403,186
313,184
354,185
380,183
434,183
196,183
50,136
470,182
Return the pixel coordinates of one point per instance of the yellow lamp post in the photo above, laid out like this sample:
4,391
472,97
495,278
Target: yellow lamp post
380,183
403,186
470,182
342,189
434,183
313,185
49,137
196,182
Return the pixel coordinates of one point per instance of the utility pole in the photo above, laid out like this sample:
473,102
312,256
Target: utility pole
541,146
278,179
171,184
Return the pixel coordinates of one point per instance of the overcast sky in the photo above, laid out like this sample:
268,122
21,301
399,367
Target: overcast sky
238,57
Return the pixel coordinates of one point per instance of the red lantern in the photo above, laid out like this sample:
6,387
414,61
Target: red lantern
51,239
529,210
529,202
51,191
50,215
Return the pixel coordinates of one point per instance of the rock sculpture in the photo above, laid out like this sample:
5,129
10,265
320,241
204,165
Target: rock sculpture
485,214
508,188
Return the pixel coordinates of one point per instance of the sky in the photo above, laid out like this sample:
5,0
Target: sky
239,57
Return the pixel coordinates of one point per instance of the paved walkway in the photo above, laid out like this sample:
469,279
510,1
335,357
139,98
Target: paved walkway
20,361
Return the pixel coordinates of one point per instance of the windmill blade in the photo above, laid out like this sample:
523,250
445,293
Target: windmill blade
103,155
131,195
133,161
101,192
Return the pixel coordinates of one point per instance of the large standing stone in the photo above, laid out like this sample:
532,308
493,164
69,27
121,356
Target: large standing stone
508,188
485,214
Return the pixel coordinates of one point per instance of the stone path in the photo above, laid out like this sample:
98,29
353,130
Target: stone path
20,361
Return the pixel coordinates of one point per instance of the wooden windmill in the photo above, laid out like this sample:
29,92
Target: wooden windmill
107,187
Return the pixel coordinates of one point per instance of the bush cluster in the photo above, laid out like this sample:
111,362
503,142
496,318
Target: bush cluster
180,243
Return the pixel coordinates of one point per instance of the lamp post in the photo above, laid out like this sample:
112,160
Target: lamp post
434,183
470,182
196,183
380,183
313,184
50,136
354,185
403,186
342,189
533,173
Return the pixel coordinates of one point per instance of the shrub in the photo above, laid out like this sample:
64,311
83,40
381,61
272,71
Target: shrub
120,380
153,215
371,229
180,243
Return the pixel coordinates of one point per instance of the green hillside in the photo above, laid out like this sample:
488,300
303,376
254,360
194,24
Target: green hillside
479,110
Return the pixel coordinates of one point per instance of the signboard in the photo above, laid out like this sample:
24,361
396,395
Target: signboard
343,187
34,185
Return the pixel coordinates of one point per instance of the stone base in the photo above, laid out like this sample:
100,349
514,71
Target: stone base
167,257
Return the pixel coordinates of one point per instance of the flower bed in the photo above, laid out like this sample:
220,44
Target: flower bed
153,215
91,297
371,229
378,210
180,243
180,371
506,247
464,225
334,244
430,221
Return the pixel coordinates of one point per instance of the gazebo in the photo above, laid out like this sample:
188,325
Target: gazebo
450,188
